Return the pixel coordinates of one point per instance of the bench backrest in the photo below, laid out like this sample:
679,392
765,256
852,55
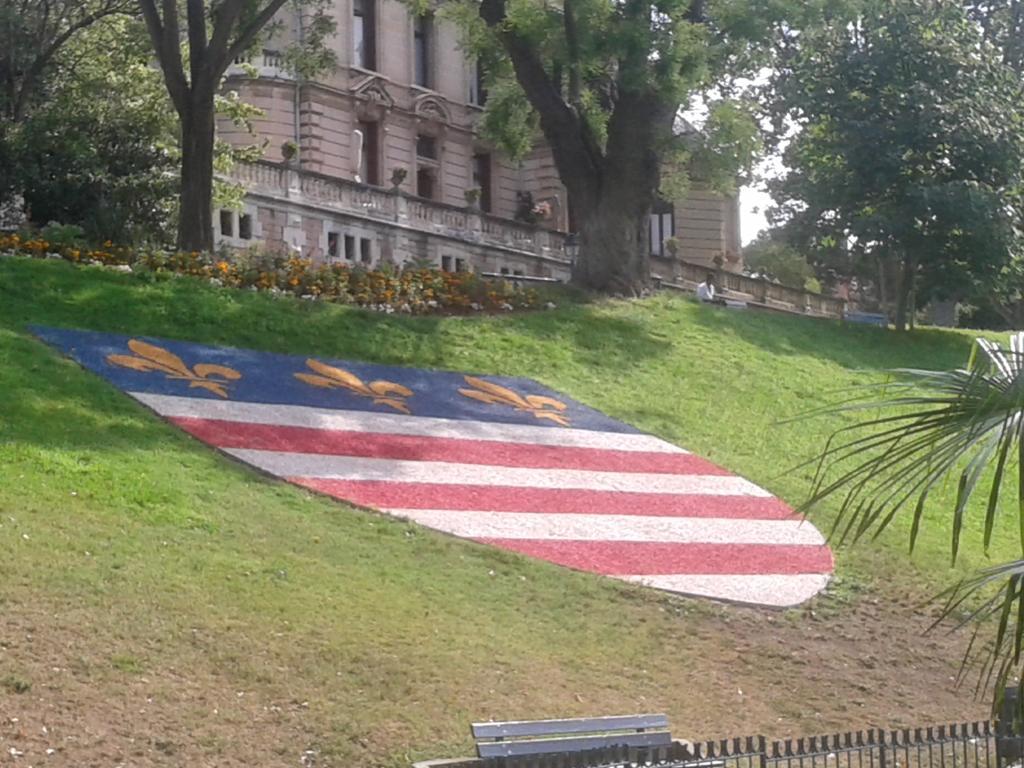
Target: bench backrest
871,318
537,737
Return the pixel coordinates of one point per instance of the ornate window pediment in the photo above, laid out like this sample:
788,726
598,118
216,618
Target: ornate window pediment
373,97
431,109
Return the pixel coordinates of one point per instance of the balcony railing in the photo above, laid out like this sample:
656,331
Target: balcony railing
397,209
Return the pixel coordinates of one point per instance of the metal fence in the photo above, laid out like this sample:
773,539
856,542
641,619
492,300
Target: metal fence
962,745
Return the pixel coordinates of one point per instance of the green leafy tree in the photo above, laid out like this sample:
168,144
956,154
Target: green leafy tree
194,50
97,146
779,261
908,148
32,35
604,81
1002,22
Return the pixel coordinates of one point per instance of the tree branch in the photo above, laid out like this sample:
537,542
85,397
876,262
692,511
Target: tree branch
197,40
561,124
46,52
167,46
223,24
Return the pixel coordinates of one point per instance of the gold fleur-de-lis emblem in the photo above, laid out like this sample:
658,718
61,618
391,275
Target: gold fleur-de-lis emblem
149,358
493,394
383,392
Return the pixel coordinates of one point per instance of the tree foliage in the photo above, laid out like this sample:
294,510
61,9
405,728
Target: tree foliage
908,148
780,261
32,34
96,145
605,80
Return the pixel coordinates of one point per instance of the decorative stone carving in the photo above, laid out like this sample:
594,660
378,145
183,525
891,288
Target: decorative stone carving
432,110
373,101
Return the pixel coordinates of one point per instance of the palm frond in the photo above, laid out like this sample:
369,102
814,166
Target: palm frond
929,428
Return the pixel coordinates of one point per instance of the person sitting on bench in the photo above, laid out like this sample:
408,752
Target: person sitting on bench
706,291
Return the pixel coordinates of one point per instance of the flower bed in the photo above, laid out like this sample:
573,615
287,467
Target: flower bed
410,289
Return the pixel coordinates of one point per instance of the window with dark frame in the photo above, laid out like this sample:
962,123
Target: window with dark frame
663,226
365,250
227,223
446,263
364,33
245,226
332,244
460,265
423,28
425,183
477,89
369,164
426,146
482,179
350,248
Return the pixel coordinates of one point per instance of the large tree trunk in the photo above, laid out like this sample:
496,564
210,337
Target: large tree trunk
614,244
195,218
614,209
906,290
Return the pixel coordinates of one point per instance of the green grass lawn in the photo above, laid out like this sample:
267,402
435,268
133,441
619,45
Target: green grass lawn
219,616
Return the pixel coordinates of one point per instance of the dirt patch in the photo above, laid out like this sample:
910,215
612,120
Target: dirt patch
81,689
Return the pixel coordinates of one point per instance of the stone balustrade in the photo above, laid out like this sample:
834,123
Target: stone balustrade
762,291
397,209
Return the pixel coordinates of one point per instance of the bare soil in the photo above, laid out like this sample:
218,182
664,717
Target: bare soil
780,674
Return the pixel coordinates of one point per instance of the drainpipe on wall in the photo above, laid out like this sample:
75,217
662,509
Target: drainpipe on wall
300,35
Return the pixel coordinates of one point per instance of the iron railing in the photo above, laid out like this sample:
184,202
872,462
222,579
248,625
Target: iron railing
960,745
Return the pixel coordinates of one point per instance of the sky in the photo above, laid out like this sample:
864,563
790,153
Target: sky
754,201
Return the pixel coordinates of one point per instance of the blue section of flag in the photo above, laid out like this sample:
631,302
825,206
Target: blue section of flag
270,378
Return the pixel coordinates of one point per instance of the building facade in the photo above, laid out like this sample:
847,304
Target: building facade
380,161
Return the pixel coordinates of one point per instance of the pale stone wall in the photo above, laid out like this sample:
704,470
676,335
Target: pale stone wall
707,227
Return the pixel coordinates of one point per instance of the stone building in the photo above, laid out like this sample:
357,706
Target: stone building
389,165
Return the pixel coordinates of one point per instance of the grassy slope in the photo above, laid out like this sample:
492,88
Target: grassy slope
170,565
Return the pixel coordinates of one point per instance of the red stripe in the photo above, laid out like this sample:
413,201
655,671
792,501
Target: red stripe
268,437
625,558
489,498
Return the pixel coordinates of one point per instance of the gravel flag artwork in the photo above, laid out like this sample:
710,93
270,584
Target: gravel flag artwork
503,461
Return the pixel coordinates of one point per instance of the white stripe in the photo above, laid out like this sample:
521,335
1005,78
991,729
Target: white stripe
678,530
778,591
448,473
394,424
